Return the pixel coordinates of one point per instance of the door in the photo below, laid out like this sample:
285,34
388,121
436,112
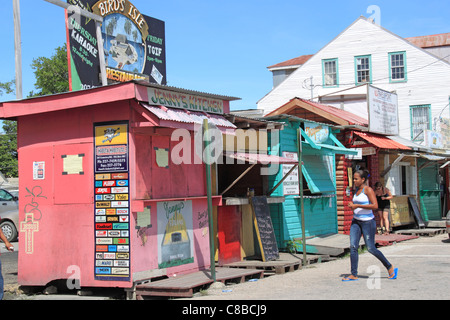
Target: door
429,190
229,234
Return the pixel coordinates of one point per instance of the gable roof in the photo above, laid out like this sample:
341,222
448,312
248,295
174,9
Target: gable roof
429,41
292,62
318,112
361,18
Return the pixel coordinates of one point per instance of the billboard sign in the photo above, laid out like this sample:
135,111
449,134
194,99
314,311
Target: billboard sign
134,44
383,111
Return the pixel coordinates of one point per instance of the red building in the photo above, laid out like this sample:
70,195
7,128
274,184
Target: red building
101,199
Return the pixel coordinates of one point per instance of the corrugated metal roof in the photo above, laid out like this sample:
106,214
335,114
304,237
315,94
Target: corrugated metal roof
187,91
260,158
381,141
292,62
184,116
435,40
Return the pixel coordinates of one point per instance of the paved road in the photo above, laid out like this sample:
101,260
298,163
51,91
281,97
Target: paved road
424,265
424,269
9,263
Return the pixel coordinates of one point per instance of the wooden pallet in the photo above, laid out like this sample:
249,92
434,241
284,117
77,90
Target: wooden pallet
186,285
286,263
269,267
429,232
387,240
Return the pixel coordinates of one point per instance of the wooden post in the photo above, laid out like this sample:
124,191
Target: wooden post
206,139
300,187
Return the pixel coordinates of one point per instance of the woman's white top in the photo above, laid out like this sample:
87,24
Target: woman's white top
359,213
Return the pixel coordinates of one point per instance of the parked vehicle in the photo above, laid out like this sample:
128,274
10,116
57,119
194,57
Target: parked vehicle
9,213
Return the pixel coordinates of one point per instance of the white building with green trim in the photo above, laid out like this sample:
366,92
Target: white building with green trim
417,69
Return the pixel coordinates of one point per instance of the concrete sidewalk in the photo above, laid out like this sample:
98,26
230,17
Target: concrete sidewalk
424,268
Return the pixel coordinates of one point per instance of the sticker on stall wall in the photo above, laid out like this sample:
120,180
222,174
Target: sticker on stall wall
103,176
102,204
122,183
100,219
124,271
120,175
103,270
112,218
39,170
119,204
122,255
121,263
101,233
109,256
122,197
119,190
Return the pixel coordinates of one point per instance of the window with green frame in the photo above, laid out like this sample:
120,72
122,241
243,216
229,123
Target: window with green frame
330,73
420,117
363,69
397,67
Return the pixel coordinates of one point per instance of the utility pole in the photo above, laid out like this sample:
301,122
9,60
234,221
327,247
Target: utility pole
98,22
206,139
17,48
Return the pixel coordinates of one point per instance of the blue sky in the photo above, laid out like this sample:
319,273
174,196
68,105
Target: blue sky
224,47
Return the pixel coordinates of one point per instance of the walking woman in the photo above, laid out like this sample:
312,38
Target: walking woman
9,247
364,202
384,206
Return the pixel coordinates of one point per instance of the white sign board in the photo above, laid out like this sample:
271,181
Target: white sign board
290,184
434,139
383,111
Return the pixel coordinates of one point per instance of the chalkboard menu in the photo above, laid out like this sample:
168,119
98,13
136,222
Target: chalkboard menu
264,228
417,216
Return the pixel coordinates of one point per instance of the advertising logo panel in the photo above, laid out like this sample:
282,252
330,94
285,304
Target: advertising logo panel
133,43
112,206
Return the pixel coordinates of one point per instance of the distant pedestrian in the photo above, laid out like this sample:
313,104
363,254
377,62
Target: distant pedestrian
384,206
363,204
10,248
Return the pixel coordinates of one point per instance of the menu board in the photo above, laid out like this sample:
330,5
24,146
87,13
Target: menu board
264,228
112,202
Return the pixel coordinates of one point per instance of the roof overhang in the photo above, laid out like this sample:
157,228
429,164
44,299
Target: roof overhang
135,89
381,142
159,116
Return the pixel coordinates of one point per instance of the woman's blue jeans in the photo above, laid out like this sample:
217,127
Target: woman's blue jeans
367,229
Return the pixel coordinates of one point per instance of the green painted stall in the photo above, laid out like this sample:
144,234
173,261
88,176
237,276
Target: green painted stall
319,147
429,190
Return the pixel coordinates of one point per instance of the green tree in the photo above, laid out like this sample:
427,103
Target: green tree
8,149
8,139
52,75
6,87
